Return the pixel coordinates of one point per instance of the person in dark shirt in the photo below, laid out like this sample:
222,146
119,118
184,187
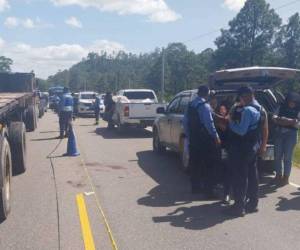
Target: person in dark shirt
203,140
286,120
109,109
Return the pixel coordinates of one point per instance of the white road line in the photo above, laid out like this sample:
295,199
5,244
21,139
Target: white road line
294,185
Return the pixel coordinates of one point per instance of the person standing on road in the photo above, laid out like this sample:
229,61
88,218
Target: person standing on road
286,120
65,112
97,109
203,141
246,140
109,109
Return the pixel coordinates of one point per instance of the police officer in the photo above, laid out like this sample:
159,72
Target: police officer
245,141
203,141
97,108
65,112
109,109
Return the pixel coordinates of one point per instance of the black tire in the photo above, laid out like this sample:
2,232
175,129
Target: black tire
31,118
17,139
157,146
5,175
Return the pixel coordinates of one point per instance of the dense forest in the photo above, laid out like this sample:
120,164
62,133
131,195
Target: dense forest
256,36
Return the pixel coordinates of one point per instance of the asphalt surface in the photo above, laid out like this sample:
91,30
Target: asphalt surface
144,198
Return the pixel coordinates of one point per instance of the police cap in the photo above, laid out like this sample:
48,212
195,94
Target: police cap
245,90
203,90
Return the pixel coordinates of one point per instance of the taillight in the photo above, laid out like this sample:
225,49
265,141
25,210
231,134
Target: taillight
126,111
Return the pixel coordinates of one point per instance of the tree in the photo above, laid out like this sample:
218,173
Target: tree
288,42
250,36
5,64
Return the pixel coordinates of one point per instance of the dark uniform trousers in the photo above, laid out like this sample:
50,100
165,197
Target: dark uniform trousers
65,118
245,175
97,114
202,160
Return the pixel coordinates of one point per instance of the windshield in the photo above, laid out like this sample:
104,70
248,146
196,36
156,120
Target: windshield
139,95
87,96
56,91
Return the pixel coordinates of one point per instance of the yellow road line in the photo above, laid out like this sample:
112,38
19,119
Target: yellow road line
105,220
85,224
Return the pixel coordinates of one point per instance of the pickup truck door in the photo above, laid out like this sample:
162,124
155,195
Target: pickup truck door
166,121
177,121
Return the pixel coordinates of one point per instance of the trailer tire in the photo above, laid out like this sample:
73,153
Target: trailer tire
5,175
31,123
17,139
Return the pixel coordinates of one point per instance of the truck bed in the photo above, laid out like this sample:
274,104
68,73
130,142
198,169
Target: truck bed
11,101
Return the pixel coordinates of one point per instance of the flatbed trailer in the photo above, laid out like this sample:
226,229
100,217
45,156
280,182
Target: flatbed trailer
18,115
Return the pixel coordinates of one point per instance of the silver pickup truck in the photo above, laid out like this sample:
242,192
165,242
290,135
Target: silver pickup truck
168,128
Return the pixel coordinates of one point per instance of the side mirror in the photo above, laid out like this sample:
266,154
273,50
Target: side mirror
161,110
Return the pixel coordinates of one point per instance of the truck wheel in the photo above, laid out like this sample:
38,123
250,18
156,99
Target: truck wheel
31,119
157,146
5,175
17,139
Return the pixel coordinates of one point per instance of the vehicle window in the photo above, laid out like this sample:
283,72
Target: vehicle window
87,96
184,102
139,95
174,105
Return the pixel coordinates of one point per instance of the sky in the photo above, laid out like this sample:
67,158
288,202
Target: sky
50,35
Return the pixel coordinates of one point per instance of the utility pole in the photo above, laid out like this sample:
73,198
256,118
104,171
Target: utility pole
163,76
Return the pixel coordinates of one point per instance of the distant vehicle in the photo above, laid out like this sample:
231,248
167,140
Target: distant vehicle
18,113
135,107
54,94
86,101
168,128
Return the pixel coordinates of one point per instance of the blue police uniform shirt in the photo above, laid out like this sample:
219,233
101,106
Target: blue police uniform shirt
249,120
205,116
66,102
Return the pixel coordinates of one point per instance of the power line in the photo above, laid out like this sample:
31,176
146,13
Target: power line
218,30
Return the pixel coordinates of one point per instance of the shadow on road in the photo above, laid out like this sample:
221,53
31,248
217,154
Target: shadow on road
286,204
126,134
173,189
196,217
173,184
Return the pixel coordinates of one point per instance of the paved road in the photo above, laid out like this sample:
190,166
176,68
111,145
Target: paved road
144,197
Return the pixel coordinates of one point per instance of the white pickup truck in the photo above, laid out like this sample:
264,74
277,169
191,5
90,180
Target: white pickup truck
135,107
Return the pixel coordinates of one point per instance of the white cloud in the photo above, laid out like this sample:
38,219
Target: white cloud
27,23
2,43
73,22
235,5
3,5
48,60
11,22
155,10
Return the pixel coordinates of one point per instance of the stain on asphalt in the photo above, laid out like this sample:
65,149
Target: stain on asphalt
97,164
76,184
